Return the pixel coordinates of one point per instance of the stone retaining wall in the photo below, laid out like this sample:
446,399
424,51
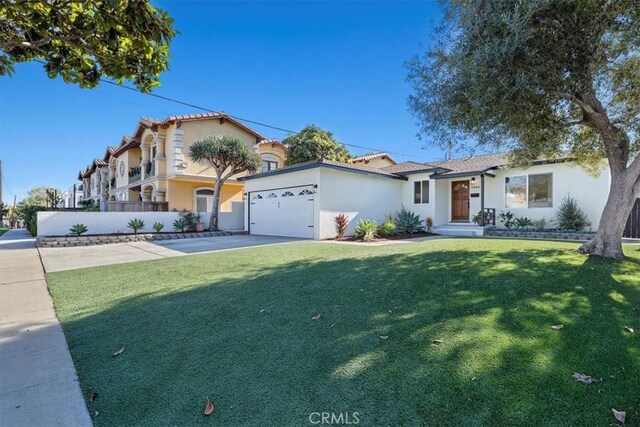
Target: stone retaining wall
65,241
555,235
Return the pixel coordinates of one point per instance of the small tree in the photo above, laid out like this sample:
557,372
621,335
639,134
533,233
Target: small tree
227,156
570,216
313,143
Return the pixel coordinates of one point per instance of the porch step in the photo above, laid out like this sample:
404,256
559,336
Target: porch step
459,230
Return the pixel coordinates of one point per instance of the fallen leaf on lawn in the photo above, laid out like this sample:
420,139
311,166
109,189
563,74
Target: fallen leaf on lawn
94,415
585,379
384,337
316,317
438,341
119,352
92,395
208,407
629,329
557,327
619,415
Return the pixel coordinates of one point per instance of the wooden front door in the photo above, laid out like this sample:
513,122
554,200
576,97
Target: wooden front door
460,201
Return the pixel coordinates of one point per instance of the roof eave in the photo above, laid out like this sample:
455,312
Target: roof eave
318,165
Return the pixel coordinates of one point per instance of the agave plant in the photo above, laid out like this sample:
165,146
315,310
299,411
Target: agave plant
366,230
136,224
78,229
407,221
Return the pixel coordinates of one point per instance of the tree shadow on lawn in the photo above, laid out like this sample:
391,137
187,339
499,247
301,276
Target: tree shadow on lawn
252,347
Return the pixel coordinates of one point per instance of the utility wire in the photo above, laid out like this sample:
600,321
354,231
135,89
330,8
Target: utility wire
209,110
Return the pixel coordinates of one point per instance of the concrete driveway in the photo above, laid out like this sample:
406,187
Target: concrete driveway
60,259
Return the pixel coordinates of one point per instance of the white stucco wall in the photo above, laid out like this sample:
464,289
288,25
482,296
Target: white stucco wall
568,179
358,196
423,210
58,223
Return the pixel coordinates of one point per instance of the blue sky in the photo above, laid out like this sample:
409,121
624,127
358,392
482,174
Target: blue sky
339,65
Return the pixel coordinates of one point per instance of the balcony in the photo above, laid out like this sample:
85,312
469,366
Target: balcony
150,169
135,174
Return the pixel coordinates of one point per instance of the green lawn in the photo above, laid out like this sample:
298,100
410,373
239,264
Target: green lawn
236,326
3,230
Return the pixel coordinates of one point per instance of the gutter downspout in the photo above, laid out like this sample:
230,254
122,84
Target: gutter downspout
482,199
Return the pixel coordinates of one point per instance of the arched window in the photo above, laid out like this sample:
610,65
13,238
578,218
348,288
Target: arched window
305,192
256,197
272,196
269,163
287,194
203,200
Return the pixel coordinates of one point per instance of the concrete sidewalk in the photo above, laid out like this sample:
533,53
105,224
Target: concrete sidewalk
38,382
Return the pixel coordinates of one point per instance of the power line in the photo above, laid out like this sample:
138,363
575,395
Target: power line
242,119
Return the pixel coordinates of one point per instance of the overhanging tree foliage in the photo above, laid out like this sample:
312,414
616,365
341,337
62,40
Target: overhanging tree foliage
85,40
543,78
314,143
227,156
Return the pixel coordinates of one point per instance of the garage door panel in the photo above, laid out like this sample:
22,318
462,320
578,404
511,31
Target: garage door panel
283,212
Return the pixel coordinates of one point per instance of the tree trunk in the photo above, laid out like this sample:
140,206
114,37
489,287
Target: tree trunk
608,240
213,222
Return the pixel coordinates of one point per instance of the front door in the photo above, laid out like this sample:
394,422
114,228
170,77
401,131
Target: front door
460,201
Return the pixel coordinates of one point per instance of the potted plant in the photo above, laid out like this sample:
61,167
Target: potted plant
477,218
199,225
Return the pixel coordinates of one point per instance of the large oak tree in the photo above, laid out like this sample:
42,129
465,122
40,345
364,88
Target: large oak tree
543,78
85,40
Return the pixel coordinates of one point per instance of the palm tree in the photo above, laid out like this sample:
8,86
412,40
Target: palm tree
228,156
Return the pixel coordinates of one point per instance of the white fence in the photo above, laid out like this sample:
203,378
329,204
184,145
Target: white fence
58,223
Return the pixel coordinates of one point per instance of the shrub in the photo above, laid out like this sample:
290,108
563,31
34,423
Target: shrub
366,230
190,219
429,223
158,226
78,229
135,224
523,222
540,224
506,218
407,222
29,213
341,221
387,229
180,224
570,216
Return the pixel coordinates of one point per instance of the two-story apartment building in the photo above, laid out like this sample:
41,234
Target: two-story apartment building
153,165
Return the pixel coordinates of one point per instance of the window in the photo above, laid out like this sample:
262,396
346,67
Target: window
269,163
272,196
420,192
515,188
540,194
257,197
204,200
287,194
305,192
532,191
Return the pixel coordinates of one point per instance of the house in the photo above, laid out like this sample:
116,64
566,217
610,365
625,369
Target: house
152,166
374,160
73,196
302,200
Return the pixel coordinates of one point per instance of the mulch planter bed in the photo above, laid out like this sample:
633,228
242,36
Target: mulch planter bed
102,239
393,237
541,234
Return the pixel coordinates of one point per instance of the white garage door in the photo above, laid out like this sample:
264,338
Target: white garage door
282,212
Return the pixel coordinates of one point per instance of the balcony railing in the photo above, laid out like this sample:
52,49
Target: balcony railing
135,174
150,169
